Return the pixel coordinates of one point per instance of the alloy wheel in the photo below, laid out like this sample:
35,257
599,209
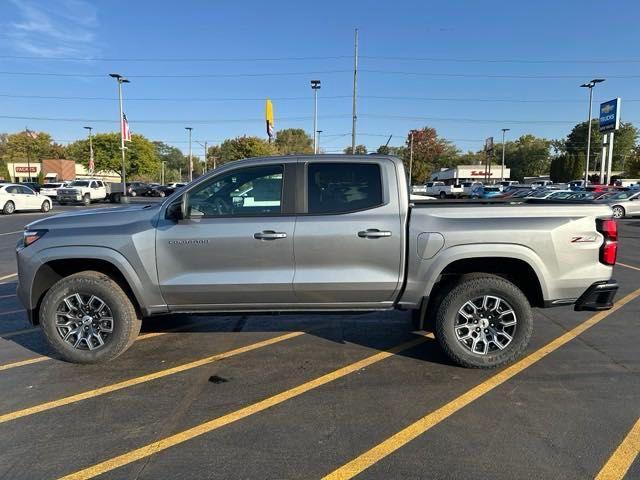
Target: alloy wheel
485,324
84,321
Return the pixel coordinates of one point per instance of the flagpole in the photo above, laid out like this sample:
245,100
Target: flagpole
121,80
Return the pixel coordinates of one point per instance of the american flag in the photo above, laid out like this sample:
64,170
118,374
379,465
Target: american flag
126,133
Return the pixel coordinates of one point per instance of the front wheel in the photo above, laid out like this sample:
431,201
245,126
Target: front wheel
87,318
618,212
443,195
485,321
46,206
86,199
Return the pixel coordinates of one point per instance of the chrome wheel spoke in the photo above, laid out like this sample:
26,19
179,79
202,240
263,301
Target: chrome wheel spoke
84,321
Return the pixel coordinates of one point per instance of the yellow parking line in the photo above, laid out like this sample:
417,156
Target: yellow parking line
6,277
406,435
619,463
15,333
628,266
7,417
232,417
21,363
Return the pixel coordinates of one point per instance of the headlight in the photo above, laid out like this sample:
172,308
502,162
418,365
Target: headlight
30,236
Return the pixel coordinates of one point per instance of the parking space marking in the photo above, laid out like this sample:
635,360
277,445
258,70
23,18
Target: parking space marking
619,463
15,333
201,429
7,417
7,296
6,277
10,312
11,233
628,266
430,420
21,363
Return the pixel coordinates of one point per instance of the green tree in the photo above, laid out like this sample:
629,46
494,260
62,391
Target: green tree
244,147
172,155
430,153
293,140
360,150
30,145
528,156
632,163
141,157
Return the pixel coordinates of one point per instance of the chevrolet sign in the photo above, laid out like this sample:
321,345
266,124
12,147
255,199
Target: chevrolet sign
610,115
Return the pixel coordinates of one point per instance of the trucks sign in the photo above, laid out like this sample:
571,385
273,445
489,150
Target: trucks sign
610,115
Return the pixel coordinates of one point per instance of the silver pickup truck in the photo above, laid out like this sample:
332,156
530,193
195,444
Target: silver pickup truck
315,233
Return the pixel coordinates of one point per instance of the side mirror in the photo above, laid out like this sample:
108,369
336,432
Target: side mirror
175,211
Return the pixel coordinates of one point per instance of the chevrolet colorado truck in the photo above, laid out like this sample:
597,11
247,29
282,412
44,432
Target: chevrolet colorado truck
315,233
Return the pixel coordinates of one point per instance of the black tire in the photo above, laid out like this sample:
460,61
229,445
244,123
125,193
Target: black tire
126,324
133,193
117,197
46,206
474,286
618,211
443,195
9,208
86,199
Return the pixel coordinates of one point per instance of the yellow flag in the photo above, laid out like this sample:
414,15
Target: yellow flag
269,118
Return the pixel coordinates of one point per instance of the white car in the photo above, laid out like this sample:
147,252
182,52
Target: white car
85,191
19,197
51,189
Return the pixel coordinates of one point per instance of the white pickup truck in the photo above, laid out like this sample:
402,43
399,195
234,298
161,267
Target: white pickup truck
439,189
84,191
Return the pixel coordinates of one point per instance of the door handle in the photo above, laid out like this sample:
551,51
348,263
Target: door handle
374,233
269,235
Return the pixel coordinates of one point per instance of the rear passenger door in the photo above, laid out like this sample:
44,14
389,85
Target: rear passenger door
349,239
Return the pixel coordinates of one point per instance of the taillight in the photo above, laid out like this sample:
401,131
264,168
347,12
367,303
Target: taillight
609,249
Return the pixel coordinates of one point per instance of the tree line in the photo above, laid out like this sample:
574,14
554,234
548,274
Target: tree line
526,156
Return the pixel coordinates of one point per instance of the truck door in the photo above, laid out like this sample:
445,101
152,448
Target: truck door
349,240
235,245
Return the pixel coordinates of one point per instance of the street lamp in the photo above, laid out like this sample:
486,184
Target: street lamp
204,169
189,129
590,86
318,142
91,163
315,86
120,79
504,130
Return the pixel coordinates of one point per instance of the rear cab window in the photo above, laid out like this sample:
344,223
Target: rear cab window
334,188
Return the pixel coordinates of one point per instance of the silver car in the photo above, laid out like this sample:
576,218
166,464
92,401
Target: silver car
624,204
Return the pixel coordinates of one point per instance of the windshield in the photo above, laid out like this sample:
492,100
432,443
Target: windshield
79,183
52,185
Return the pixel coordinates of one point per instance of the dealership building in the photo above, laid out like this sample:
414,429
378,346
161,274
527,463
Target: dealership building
55,170
470,173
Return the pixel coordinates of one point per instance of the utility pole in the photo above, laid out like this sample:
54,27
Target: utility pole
410,158
91,162
162,172
590,86
504,130
355,89
32,135
204,169
317,147
315,86
121,80
189,129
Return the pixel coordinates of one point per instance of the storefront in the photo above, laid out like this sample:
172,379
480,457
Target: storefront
55,170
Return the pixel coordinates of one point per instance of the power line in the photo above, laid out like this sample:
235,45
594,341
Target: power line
490,75
476,120
485,60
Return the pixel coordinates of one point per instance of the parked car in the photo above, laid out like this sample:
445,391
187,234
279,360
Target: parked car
226,243
509,183
166,190
541,183
441,190
138,189
623,204
32,185
543,193
51,189
17,197
486,191
467,187
82,191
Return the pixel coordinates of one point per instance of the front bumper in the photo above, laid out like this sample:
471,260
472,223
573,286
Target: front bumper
66,197
598,296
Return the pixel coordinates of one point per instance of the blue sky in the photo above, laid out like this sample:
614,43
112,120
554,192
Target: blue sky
467,60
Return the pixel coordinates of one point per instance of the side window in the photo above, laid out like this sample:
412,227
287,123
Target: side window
12,189
25,190
250,191
99,184
343,187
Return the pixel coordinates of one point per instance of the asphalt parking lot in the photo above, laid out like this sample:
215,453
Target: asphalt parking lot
313,396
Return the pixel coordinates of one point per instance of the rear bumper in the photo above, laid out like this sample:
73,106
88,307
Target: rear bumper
598,296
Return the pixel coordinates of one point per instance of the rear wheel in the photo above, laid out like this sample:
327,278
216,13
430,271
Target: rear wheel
46,206
86,199
618,211
87,318
133,193
483,322
443,195
9,208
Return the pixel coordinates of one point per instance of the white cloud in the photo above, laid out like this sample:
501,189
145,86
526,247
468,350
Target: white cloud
53,28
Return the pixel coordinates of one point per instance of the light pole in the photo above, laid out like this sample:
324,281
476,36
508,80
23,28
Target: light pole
318,143
315,86
189,129
120,79
91,163
204,169
504,130
32,135
590,86
162,172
